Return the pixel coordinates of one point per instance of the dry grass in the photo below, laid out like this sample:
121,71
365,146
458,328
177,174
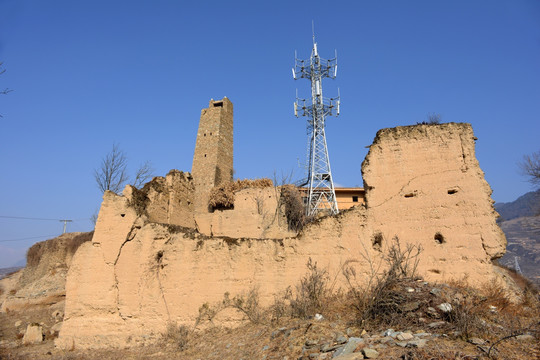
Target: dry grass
312,293
222,196
77,241
295,211
530,292
36,252
177,335
380,299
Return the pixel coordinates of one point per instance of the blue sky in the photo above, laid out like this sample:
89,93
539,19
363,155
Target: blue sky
87,74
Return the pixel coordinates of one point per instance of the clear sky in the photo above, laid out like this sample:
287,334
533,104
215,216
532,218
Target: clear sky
87,74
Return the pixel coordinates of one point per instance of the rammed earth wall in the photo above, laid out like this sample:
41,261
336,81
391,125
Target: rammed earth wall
423,184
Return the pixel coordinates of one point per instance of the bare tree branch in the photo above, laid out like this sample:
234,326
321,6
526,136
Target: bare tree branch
6,90
530,167
143,174
112,174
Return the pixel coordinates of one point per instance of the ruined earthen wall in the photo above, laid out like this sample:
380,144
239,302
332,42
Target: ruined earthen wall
255,215
136,275
213,158
424,185
167,200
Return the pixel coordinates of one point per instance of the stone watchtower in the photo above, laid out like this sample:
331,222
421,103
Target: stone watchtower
213,158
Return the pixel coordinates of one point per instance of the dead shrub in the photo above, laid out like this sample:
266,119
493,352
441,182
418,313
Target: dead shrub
530,293
466,316
495,295
280,308
178,335
139,199
247,303
222,196
293,204
383,295
312,292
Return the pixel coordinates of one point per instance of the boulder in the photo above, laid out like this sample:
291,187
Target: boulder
33,334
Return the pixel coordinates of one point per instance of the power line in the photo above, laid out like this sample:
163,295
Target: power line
29,238
32,218
26,218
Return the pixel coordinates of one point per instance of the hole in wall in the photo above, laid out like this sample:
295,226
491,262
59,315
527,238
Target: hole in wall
122,215
410,195
218,104
376,241
439,238
355,199
452,191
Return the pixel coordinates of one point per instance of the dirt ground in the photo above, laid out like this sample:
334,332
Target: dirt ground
284,340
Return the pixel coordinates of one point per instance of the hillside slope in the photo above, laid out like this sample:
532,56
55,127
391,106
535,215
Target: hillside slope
523,236
525,205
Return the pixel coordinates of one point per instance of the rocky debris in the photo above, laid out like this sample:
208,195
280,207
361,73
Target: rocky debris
367,346
355,356
404,336
476,341
435,291
370,353
525,337
57,315
33,334
412,306
55,329
445,307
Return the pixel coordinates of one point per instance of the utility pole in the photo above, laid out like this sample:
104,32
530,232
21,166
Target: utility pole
321,194
65,223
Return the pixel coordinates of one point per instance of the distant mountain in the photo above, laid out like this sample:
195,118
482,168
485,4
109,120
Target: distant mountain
526,205
9,270
523,235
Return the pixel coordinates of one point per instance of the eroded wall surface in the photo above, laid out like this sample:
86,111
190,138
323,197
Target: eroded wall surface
420,181
424,184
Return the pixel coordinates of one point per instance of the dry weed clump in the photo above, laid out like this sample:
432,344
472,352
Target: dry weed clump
222,196
311,293
530,292
312,296
293,204
488,310
380,299
247,303
178,335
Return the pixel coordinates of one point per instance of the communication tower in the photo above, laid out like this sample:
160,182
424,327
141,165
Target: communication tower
321,195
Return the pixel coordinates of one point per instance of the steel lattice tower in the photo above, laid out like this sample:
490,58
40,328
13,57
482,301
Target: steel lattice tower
321,194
